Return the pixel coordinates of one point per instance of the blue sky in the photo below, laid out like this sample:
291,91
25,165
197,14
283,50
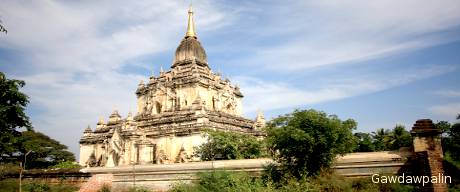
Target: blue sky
381,63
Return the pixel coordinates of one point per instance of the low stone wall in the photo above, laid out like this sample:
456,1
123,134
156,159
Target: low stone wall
368,163
162,177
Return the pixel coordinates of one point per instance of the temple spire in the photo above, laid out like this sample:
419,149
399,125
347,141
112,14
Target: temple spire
190,24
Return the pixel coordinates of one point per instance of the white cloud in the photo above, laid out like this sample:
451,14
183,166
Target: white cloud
448,110
448,93
322,33
269,95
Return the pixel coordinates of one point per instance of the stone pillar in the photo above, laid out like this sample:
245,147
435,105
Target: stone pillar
428,153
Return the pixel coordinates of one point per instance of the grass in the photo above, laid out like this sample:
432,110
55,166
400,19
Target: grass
10,185
225,181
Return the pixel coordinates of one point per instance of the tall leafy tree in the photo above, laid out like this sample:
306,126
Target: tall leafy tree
381,139
444,126
306,141
454,133
365,142
385,139
451,138
17,137
44,151
229,145
12,116
399,137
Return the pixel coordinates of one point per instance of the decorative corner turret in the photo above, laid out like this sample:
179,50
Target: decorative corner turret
130,117
114,117
100,124
88,131
259,122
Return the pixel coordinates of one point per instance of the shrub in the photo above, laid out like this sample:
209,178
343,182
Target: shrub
138,189
307,141
66,165
105,188
36,187
229,145
8,185
223,181
9,169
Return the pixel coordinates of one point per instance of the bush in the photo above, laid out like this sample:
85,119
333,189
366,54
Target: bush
333,182
37,187
105,188
9,169
222,181
8,185
66,165
138,189
307,141
229,145
225,181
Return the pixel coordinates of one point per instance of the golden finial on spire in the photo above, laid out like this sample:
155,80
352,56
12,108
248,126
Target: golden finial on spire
190,24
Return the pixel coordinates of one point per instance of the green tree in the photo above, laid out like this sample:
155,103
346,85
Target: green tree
365,142
381,139
229,145
446,140
12,116
306,141
454,134
451,139
399,137
444,126
45,151
17,137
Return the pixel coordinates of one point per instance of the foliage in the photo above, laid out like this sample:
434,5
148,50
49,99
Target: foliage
398,138
323,182
105,188
383,140
229,145
365,142
444,126
9,185
451,138
307,141
380,139
12,115
37,187
41,150
64,188
226,181
9,169
66,165
222,181
452,168
138,189
45,151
